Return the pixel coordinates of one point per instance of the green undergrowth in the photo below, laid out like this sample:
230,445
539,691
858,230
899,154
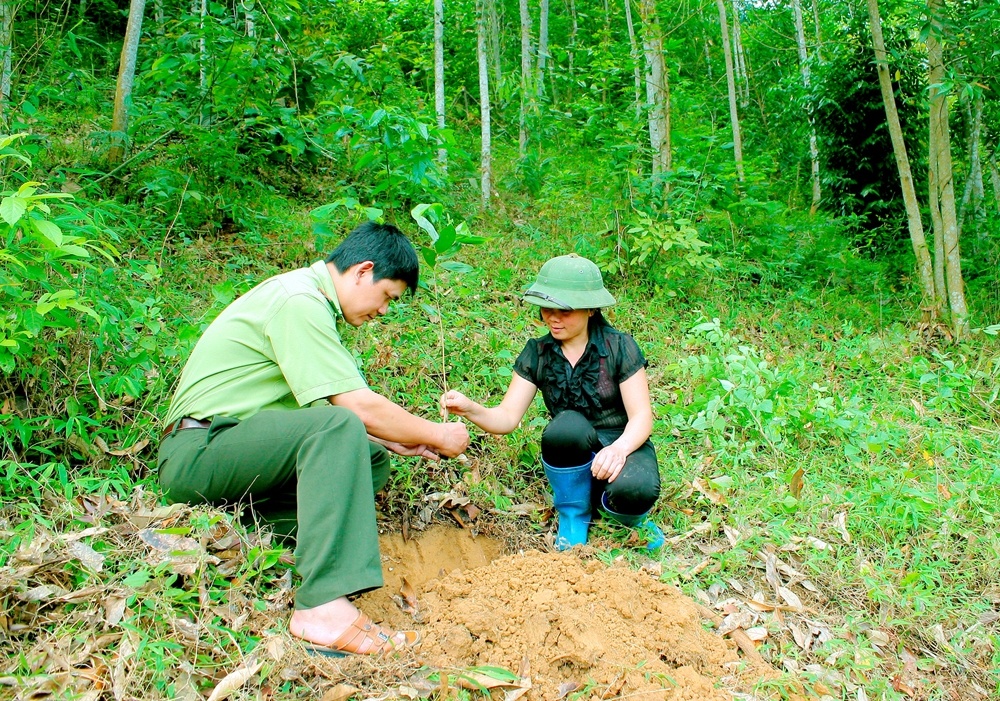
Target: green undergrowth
802,416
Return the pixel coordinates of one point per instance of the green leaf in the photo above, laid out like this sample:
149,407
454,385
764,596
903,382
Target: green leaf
456,267
49,230
12,208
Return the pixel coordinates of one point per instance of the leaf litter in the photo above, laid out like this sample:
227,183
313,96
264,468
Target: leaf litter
82,610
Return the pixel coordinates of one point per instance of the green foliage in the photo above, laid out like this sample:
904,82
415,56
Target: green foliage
46,247
657,250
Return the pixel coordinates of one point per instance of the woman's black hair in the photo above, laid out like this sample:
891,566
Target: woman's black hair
596,320
384,245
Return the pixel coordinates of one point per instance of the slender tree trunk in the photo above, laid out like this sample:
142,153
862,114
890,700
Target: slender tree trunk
739,59
940,155
995,179
126,76
974,191
7,49
800,40
543,46
706,43
574,30
493,42
734,114
486,150
819,37
248,19
931,300
525,78
636,70
652,43
206,103
439,73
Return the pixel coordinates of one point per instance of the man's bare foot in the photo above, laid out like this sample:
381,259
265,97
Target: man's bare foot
338,624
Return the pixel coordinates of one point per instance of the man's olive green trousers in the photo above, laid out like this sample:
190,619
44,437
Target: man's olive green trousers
313,467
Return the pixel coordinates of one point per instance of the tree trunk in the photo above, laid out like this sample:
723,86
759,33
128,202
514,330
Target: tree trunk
126,76
206,107
652,42
995,179
734,115
739,59
439,73
636,70
525,77
800,40
248,18
7,48
975,193
940,155
574,30
706,43
493,42
931,299
543,46
486,151
819,36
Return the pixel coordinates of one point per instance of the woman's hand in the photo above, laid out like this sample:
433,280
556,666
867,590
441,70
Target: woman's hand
454,402
608,463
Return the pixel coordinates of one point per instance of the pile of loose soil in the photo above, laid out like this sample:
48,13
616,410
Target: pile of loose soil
565,623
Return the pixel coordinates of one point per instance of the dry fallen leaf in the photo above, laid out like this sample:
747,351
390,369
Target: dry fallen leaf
341,692
840,523
702,485
235,679
795,486
88,557
168,542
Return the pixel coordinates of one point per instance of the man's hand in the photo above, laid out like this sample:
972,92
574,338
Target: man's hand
454,439
421,450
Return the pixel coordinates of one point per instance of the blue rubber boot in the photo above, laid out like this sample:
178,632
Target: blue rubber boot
641,522
571,499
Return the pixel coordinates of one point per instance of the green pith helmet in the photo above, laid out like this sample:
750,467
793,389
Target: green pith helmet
569,282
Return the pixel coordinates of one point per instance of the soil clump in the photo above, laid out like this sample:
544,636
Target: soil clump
564,623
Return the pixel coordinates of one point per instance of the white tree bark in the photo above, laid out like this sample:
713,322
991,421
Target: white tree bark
634,52
995,179
931,299
734,114
740,59
652,42
526,92
485,151
975,193
439,73
543,46
248,18
493,42
800,40
819,36
7,49
126,77
203,66
940,156
574,30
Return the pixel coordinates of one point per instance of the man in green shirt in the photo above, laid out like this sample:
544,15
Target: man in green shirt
272,410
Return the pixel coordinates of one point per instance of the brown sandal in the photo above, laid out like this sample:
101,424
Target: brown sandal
365,638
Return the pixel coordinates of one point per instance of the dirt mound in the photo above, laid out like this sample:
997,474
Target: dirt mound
564,623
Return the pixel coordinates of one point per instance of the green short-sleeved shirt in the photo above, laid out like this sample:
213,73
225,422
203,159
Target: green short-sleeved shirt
276,347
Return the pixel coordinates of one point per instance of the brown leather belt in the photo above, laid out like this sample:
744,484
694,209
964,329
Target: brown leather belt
186,422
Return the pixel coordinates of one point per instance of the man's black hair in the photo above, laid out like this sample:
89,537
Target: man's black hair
385,246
